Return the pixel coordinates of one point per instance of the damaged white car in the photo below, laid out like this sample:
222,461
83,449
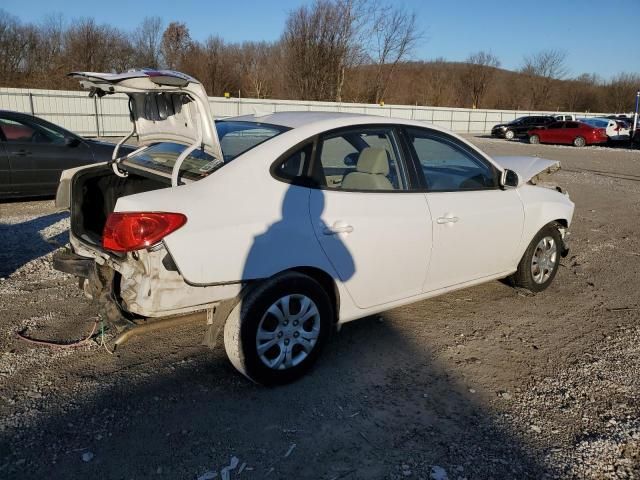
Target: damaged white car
276,228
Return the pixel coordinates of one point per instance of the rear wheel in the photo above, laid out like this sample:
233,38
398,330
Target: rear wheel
509,134
540,262
277,332
579,142
534,139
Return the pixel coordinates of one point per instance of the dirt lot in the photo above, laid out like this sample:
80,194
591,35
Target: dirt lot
483,383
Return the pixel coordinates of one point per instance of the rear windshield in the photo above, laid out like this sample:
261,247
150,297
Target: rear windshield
595,122
235,139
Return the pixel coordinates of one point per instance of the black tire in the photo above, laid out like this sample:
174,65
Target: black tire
534,139
241,328
509,134
579,142
524,277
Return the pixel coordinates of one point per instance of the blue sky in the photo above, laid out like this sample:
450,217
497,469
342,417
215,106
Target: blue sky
596,34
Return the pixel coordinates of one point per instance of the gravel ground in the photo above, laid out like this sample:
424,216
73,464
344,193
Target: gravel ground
483,383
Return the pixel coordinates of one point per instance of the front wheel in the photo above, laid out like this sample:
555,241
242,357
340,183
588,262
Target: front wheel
534,139
276,333
579,142
509,135
540,262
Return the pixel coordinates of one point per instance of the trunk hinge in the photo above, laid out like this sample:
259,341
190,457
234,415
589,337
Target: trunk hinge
114,156
176,167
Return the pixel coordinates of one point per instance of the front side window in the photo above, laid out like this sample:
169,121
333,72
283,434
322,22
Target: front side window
16,131
360,159
449,166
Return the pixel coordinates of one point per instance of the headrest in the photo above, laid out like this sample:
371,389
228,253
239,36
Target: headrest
373,160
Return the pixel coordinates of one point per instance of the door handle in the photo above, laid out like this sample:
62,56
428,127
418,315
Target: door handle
447,219
22,153
337,227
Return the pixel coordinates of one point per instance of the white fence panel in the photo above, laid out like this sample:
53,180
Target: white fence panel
109,115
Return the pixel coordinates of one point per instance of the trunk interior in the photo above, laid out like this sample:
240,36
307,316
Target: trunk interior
94,195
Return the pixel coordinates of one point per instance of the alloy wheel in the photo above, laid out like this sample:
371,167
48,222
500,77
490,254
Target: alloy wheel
544,260
288,332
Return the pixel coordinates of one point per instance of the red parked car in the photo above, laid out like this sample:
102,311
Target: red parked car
576,133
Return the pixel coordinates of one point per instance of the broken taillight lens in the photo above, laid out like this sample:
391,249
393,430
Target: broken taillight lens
129,231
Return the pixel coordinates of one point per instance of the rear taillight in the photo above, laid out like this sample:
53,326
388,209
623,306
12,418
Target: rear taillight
128,231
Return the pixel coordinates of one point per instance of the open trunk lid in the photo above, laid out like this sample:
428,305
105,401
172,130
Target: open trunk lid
165,106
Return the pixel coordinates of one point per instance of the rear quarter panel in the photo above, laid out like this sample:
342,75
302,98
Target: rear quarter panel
242,224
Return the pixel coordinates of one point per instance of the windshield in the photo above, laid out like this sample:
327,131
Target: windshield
235,139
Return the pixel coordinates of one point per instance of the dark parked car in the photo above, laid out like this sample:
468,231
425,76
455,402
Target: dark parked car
576,133
520,126
33,153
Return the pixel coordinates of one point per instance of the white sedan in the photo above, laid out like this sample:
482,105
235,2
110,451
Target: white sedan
281,226
616,129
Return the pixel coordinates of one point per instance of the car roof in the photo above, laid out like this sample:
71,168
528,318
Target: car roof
301,119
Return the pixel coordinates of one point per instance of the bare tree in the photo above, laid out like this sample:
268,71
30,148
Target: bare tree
176,41
394,35
436,82
216,67
14,46
621,92
260,68
319,44
94,47
479,70
147,40
542,69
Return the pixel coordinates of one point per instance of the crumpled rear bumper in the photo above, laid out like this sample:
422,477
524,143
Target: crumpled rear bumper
144,283
69,262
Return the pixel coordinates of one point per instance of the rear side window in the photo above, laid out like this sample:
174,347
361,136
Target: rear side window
448,166
294,166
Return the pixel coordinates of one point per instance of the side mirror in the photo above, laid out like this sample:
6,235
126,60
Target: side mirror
71,141
509,179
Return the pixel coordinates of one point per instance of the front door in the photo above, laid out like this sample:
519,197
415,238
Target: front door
375,232
476,225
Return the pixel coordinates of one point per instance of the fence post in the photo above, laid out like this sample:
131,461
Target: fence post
33,113
484,128
469,122
95,109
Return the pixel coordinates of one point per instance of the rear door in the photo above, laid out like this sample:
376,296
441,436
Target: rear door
37,154
476,225
373,228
